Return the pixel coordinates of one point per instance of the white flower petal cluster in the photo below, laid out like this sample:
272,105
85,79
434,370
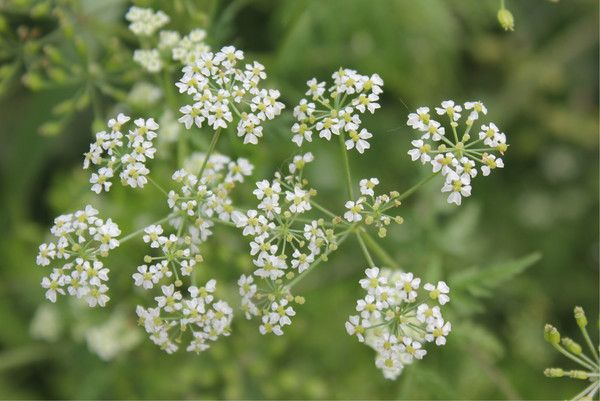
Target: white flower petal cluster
282,246
168,45
189,49
338,112
111,156
149,59
456,156
396,318
199,201
144,21
80,239
200,314
177,258
372,209
222,92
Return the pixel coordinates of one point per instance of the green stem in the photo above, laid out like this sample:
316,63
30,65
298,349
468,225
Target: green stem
412,189
298,278
323,209
364,249
382,253
589,343
346,166
158,186
211,148
573,357
141,230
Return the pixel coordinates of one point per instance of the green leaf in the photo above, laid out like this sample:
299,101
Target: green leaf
480,282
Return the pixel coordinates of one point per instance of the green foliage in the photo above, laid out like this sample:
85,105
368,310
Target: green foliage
541,85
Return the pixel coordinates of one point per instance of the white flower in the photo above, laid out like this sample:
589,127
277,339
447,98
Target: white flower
219,88
352,94
315,88
144,21
373,280
359,140
458,186
449,108
412,349
491,163
367,185
438,331
438,292
354,210
408,284
356,327
153,236
302,133
420,119
420,152
149,59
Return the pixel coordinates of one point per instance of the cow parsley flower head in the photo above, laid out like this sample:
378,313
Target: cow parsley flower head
199,201
283,245
200,314
589,371
458,157
338,111
222,92
397,318
111,155
149,59
144,21
80,239
372,209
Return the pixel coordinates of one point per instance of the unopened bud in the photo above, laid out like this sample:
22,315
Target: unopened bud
299,299
178,283
580,317
147,259
382,232
554,372
551,334
571,346
506,19
579,374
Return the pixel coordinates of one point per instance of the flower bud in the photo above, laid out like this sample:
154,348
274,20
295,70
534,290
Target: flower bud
178,283
554,372
382,232
147,259
579,374
580,317
551,334
571,346
299,300
506,19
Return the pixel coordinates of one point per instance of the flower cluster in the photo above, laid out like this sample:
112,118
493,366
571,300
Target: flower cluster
221,90
284,245
395,318
589,370
168,45
372,209
176,257
144,21
80,239
201,200
338,112
457,156
111,156
205,318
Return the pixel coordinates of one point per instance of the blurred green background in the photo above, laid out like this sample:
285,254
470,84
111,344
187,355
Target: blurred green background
540,84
